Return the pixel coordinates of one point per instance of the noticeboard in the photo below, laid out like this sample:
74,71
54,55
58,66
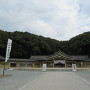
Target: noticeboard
44,67
73,67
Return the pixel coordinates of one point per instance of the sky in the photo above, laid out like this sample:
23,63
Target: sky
57,19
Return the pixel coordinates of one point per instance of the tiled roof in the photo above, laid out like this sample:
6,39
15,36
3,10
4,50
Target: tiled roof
38,58
22,60
13,59
84,58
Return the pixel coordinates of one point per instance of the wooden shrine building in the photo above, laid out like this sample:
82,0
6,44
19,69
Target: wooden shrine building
58,59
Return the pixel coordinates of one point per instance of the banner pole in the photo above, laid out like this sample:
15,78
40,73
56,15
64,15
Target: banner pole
4,69
8,50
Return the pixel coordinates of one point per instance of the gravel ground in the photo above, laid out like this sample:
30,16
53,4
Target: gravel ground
18,79
84,74
37,80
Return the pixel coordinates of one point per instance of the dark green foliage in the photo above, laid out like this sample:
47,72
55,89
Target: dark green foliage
80,44
26,44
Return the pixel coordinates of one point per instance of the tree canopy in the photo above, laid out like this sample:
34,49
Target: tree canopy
26,44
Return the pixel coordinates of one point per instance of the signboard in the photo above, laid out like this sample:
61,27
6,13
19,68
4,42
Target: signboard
44,67
9,43
73,67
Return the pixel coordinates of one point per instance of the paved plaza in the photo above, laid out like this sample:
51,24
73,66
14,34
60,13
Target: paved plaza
51,80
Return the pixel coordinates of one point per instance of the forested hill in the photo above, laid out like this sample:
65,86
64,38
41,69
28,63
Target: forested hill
26,44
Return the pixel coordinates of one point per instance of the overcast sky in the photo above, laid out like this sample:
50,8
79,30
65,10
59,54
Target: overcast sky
58,19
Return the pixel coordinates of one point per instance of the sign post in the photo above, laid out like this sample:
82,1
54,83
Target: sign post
73,67
44,67
8,50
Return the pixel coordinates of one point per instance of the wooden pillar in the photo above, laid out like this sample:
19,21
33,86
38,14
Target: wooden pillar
81,64
9,65
53,63
65,63
85,64
33,64
26,65
17,64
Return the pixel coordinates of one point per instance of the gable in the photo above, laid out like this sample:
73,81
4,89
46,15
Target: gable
59,56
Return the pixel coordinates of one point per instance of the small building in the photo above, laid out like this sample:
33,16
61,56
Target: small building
58,59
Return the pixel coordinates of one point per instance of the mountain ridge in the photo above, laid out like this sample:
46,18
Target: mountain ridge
26,44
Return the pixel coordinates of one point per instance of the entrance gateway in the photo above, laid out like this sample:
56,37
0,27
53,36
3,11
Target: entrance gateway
59,63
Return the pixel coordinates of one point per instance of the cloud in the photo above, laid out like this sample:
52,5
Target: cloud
43,28
59,19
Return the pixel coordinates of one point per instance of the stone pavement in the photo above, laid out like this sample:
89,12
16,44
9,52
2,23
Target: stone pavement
58,81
